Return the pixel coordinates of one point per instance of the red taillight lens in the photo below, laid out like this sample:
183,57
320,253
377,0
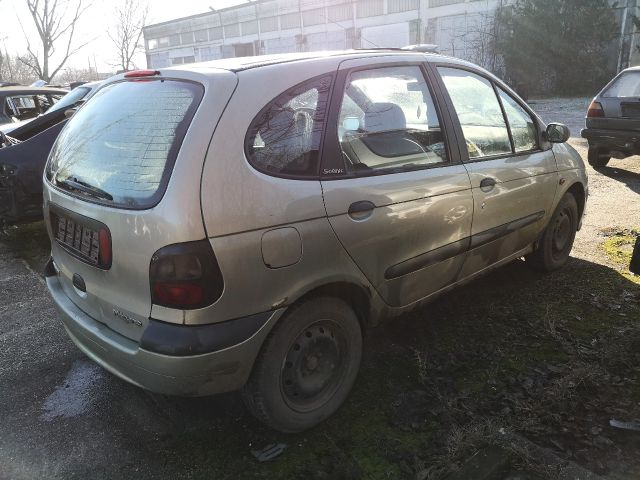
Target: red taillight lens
185,276
184,294
595,110
141,73
104,255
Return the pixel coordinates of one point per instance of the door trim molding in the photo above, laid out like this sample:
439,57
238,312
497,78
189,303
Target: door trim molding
453,249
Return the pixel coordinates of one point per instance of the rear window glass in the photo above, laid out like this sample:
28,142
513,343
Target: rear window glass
123,144
626,85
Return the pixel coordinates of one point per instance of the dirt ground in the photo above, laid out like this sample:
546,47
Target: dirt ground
552,358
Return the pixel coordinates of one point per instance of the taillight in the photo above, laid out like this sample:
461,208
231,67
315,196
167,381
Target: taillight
595,110
104,253
185,276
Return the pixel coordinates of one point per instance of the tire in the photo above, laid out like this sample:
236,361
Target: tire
554,247
306,366
597,158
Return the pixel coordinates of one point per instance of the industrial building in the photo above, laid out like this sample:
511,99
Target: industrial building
458,27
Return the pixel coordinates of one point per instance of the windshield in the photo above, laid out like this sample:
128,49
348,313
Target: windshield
69,99
124,142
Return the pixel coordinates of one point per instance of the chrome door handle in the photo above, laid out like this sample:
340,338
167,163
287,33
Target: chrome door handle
487,184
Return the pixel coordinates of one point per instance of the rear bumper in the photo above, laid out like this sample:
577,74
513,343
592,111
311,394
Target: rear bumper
619,140
222,370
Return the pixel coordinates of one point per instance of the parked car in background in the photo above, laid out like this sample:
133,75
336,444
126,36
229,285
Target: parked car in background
18,103
613,119
24,153
238,224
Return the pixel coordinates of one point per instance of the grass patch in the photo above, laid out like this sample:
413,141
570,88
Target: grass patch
619,247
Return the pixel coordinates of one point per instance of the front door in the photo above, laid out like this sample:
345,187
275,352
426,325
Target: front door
396,194
513,179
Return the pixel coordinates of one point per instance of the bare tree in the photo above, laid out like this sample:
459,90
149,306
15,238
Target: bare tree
56,22
13,70
131,16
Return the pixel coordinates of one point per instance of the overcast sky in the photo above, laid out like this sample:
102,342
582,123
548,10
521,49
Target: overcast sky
93,27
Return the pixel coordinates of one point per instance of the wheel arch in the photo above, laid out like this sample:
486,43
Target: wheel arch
359,297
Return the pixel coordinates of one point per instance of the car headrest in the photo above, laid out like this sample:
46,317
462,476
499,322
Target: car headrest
382,116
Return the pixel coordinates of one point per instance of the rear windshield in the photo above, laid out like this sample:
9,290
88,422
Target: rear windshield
120,148
626,85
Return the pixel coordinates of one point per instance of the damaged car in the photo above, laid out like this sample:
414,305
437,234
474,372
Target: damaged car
23,154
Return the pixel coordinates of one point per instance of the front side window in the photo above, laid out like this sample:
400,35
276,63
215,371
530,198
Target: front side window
284,139
478,110
522,125
388,121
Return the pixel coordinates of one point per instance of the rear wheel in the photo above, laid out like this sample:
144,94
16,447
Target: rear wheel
307,366
553,249
597,157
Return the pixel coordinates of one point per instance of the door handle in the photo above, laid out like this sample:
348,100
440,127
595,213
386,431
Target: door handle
361,210
487,184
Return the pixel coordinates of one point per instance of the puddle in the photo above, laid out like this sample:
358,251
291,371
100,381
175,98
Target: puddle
76,394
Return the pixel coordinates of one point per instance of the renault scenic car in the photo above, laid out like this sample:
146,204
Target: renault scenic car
238,224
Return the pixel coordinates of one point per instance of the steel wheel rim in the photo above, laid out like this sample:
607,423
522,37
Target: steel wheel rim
561,237
314,366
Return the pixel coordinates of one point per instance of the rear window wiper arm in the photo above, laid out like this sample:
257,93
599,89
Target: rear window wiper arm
85,187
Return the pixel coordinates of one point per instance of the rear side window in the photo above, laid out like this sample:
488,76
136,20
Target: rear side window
626,85
284,139
485,131
123,144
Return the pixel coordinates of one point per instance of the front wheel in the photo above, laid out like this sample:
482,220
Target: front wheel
597,158
307,366
554,247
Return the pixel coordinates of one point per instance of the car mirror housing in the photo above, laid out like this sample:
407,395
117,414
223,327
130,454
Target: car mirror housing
557,133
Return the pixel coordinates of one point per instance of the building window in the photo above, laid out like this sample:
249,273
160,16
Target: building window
339,13
183,60
232,30
152,43
249,28
369,8
440,3
215,33
291,20
186,38
163,42
174,40
395,6
313,17
201,36
269,24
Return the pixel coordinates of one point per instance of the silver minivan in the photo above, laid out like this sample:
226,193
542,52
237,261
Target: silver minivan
239,224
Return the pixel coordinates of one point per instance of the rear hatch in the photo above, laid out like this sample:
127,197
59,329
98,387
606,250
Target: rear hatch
123,181
620,102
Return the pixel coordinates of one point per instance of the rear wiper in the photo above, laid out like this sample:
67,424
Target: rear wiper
85,187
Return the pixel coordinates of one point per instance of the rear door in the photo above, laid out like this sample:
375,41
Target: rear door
513,179
395,191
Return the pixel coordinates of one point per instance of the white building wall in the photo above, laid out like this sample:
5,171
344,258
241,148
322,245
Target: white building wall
305,25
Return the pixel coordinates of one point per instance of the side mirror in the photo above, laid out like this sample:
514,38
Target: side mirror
557,133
